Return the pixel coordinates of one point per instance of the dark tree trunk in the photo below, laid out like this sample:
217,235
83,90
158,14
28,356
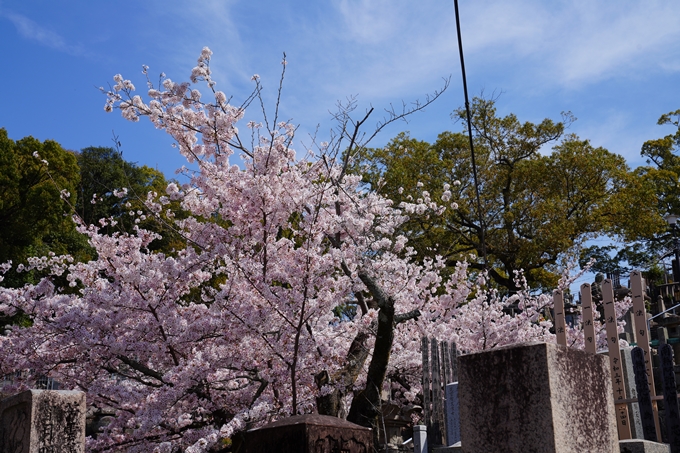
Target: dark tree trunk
366,405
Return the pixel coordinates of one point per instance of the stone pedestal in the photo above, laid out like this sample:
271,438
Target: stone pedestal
643,446
43,421
311,433
536,398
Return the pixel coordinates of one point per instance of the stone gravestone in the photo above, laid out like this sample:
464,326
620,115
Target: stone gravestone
452,414
312,433
43,421
631,391
670,397
536,398
643,394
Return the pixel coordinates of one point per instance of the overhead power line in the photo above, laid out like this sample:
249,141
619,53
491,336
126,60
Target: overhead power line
482,225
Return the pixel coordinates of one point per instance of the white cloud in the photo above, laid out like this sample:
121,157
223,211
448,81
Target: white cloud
371,21
575,43
35,32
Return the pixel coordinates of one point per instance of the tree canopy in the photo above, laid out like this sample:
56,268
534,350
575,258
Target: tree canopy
34,213
649,240
535,205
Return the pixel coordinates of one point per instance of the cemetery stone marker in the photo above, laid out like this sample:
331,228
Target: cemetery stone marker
670,397
536,398
43,421
631,391
452,414
643,394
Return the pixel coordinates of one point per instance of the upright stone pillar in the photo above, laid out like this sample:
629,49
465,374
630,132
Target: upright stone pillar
536,398
43,421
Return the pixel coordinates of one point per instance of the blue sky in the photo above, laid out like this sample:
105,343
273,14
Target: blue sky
615,65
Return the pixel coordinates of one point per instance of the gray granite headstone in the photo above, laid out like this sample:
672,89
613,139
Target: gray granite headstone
643,394
631,391
536,398
670,397
43,421
452,414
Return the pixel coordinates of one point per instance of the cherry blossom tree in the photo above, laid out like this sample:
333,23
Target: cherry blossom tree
292,292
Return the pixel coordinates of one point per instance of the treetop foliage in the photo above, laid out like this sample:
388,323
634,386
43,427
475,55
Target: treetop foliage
536,206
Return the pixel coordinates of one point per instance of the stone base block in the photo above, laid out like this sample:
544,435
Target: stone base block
536,398
643,446
455,448
309,434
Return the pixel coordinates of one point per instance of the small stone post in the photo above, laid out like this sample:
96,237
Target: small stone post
420,439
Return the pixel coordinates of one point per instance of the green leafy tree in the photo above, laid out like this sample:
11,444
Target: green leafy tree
663,171
659,184
34,216
535,207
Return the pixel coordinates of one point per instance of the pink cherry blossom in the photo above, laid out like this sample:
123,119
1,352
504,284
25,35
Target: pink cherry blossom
228,332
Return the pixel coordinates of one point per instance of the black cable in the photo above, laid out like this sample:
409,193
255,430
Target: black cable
472,148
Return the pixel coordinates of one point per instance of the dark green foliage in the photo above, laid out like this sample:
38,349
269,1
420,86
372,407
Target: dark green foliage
34,219
535,205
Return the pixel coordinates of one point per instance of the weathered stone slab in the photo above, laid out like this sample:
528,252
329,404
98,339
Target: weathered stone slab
642,446
312,433
644,395
43,421
633,408
536,398
670,397
452,414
